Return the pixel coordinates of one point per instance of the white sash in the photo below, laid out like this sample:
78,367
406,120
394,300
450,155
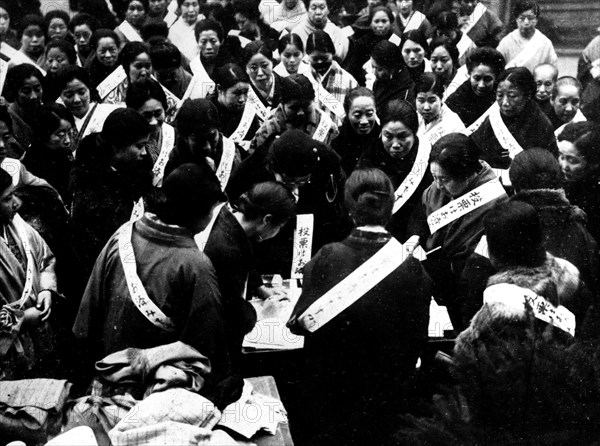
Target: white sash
323,128
137,293
19,225
168,142
12,166
9,51
473,127
243,40
527,53
463,45
414,21
474,17
96,121
327,99
303,237
462,74
17,58
3,70
503,135
241,131
171,16
595,70
414,178
261,110
201,238
436,131
482,247
201,85
520,298
111,82
138,210
461,206
579,117
395,39
224,170
129,32
353,287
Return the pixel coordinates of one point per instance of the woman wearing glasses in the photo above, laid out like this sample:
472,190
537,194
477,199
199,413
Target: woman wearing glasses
526,46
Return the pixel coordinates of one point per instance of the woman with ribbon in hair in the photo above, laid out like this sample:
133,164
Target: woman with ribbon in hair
364,298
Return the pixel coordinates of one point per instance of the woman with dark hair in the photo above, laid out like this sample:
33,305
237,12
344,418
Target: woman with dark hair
464,189
435,119
59,53
33,41
448,30
82,27
403,156
360,129
166,61
415,52
251,26
8,35
147,97
81,99
181,33
291,50
579,158
99,10
379,317
238,118
135,17
57,25
515,123
392,80
478,92
444,64
106,44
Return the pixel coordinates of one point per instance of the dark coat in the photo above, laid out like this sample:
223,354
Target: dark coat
53,166
231,119
360,52
467,105
399,87
350,146
586,195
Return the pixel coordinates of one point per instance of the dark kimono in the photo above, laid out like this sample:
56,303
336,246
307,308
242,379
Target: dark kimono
467,105
586,195
231,119
350,146
399,87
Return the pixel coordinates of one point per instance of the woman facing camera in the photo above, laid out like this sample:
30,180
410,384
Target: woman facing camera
383,323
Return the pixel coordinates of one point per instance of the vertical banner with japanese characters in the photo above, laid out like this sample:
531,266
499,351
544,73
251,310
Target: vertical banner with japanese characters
302,243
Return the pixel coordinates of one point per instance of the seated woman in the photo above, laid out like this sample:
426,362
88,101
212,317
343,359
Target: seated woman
351,401
435,119
57,25
579,150
291,50
135,17
526,46
238,118
403,157
251,26
148,98
392,79
477,94
81,99
332,81
565,100
105,60
515,123
464,189
359,131
415,52
59,53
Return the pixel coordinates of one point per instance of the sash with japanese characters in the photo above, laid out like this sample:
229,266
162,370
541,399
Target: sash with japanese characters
528,52
461,206
168,142
323,128
327,99
19,225
435,130
579,117
244,125
503,135
410,184
224,170
201,85
129,32
353,286
303,237
137,292
138,210
202,237
111,82
525,299
261,110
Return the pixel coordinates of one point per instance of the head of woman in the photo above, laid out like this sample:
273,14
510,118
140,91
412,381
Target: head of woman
535,169
4,18
106,43
54,125
135,59
484,66
136,12
579,150
444,59
258,60
318,11
246,16
209,35
454,163
369,197
399,125
414,48
320,51
359,105
127,134
6,136
405,7
291,50
190,10
57,24
516,87
32,36
447,28
526,13
59,53
381,20
83,26
386,59
147,97
266,208
23,85
166,62
76,90
566,98
233,85
430,91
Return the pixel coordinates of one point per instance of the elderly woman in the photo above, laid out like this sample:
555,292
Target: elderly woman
105,60
515,123
385,326
392,79
403,157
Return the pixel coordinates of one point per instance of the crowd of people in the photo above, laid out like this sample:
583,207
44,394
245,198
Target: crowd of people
160,158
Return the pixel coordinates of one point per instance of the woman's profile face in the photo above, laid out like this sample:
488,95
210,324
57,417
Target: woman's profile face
413,54
361,115
61,138
397,139
449,186
4,21
573,164
511,99
107,52
380,23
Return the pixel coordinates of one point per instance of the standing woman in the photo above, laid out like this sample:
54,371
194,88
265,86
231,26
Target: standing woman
147,97
265,85
403,157
515,123
360,129
106,44
291,50
392,79
181,34
135,17
415,51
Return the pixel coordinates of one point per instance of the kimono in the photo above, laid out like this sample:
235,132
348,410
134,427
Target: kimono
467,105
486,30
447,122
338,82
340,40
528,53
350,146
183,37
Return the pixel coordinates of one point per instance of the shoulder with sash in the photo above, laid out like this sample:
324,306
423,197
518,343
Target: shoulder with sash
410,184
137,292
111,82
473,127
414,21
129,32
262,111
201,84
227,158
95,120
503,135
168,142
171,16
463,205
474,17
523,299
461,76
464,44
20,227
201,238
322,130
322,96
243,40
528,51
244,125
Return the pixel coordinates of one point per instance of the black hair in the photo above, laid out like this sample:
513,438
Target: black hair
130,51
487,56
429,82
290,39
585,136
520,6
66,47
369,197
449,47
457,154
400,110
253,48
15,76
230,74
84,19
74,72
248,8
521,78
29,20
142,90
5,180
319,40
417,37
383,8
154,29
55,14
535,168
101,34
165,55
5,117
357,92
209,25
270,197
48,118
